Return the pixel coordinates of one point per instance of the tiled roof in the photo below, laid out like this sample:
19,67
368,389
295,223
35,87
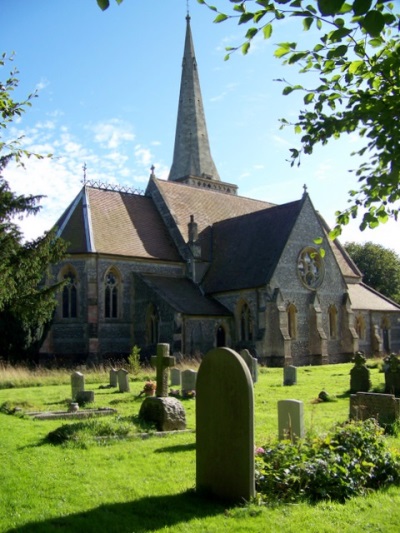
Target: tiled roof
207,206
117,223
364,297
184,296
246,249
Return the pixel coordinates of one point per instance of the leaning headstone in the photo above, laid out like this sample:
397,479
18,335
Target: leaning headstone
188,381
392,375
290,419
175,377
359,375
251,362
290,375
385,408
77,384
225,427
113,377
85,396
167,414
123,380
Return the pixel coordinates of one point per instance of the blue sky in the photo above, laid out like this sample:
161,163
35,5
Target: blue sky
108,86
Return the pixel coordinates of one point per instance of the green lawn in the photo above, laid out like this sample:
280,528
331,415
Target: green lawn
138,485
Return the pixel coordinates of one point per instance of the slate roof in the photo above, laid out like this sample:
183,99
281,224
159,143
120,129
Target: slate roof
184,296
207,206
364,297
116,223
245,250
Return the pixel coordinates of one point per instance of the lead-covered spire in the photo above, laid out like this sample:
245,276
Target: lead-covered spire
192,155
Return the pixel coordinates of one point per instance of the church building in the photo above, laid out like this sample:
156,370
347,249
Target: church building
192,263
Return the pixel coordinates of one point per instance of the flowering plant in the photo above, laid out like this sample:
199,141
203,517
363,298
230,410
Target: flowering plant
174,392
149,386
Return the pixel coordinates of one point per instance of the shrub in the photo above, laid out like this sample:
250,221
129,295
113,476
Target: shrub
351,460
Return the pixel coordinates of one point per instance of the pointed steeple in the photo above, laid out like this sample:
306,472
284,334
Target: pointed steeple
192,155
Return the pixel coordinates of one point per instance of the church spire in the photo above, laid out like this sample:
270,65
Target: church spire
192,155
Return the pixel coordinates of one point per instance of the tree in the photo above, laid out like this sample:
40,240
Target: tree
26,301
357,62
380,267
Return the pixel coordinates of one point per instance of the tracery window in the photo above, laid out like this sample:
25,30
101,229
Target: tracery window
111,294
70,294
292,320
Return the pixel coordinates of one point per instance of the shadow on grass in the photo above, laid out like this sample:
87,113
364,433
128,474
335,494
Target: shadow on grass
143,515
345,394
177,448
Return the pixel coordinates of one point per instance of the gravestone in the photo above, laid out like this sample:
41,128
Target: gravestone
392,375
385,408
252,364
166,413
113,378
188,381
290,419
123,380
290,375
77,384
85,396
175,377
225,427
359,375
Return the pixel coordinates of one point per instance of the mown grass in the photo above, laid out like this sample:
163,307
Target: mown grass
142,485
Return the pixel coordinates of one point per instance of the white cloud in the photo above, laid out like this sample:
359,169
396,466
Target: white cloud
113,133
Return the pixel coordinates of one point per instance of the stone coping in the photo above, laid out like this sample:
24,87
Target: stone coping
84,413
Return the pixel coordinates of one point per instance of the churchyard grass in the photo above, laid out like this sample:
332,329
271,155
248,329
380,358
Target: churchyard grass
146,484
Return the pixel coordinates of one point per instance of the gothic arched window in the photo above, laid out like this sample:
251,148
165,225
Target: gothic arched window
111,294
152,323
292,321
246,323
70,294
360,327
333,327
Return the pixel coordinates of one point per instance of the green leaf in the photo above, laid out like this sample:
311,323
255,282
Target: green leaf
267,31
245,47
309,97
220,18
318,240
245,18
354,66
360,7
103,4
297,129
329,7
373,23
287,90
307,22
251,32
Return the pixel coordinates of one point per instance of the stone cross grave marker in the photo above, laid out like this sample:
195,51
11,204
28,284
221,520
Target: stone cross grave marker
123,380
225,427
162,361
359,375
290,419
113,378
251,362
290,375
175,377
77,384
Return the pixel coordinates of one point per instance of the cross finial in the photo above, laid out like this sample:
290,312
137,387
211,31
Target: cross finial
84,173
152,168
305,189
187,9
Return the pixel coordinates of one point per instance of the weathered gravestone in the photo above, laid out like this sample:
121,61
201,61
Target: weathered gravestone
290,375
392,375
290,419
77,384
252,364
188,381
166,413
359,375
175,377
113,377
85,396
385,408
123,380
225,427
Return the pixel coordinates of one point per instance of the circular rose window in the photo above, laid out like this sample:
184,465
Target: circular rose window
310,267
